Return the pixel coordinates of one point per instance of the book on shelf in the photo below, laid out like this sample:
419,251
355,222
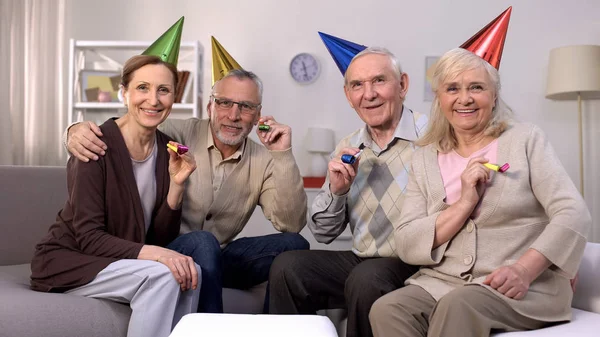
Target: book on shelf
187,92
183,77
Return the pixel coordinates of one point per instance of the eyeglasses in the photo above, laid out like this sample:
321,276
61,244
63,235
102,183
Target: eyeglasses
226,104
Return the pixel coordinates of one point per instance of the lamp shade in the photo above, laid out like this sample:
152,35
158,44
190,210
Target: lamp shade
573,70
320,140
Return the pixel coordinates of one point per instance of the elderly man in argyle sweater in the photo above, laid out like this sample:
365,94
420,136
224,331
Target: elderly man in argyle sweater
366,195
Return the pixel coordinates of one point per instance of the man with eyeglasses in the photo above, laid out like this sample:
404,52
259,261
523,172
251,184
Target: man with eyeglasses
234,175
367,194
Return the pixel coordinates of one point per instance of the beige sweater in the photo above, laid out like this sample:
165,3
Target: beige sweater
270,179
533,205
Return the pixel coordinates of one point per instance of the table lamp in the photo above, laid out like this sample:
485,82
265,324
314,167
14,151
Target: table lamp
319,142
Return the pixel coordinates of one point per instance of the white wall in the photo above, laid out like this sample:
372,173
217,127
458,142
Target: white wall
264,35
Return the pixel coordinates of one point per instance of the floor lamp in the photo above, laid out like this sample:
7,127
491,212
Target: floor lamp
574,73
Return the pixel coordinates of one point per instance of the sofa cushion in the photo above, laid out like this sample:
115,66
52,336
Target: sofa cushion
25,312
31,199
587,292
250,301
583,324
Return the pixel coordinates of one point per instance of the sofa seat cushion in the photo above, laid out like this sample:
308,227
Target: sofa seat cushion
587,293
25,312
227,325
583,324
251,301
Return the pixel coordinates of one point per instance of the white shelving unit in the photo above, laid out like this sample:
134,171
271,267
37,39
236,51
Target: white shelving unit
113,54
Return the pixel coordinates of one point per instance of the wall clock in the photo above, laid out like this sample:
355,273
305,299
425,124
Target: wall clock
305,68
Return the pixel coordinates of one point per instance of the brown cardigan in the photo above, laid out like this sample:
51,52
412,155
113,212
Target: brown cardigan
102,220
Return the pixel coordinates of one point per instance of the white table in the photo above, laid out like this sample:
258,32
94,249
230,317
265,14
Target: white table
234,325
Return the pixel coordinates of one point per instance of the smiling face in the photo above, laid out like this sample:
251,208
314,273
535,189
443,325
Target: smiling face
149,95
230,126
375,90
467,101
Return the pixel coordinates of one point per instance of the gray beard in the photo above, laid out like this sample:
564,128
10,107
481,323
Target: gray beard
230,141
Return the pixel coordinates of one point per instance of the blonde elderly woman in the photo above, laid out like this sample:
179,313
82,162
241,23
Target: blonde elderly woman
497,248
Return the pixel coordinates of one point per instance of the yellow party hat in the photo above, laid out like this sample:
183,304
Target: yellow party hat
222,62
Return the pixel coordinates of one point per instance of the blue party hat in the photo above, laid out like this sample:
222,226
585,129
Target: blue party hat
341,50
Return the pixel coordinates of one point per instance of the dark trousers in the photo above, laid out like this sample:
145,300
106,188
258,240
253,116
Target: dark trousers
242,264
302,282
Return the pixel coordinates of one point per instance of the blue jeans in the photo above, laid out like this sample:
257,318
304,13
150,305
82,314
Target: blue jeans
242,264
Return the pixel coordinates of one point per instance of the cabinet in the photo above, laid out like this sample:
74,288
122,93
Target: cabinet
94,64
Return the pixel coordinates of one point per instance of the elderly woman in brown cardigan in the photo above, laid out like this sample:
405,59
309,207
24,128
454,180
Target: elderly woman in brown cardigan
108,240
497,248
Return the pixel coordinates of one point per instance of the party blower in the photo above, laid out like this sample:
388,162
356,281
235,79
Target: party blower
351,159
180,149
497,168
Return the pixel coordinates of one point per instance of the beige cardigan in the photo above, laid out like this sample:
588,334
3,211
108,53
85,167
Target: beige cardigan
270,179
533,205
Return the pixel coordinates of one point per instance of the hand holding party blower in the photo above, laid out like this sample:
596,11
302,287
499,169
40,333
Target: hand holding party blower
180,149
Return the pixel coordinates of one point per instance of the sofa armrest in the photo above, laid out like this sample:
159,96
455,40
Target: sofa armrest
587,293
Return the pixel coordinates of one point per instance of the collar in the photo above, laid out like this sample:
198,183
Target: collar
405,129
210,144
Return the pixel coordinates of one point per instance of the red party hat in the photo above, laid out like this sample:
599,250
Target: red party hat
489,41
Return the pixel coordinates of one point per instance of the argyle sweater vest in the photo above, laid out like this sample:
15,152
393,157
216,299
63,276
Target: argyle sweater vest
376,197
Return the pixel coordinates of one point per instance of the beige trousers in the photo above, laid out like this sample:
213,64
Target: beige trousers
467,311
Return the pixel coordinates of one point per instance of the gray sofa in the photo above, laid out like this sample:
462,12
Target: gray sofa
30,198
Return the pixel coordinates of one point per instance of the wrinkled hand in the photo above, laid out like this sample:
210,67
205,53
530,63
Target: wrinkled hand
180,166
512,281
181,266
473,180
279,136
341,175
83,141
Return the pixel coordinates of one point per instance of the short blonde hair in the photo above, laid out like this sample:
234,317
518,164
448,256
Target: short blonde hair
450,65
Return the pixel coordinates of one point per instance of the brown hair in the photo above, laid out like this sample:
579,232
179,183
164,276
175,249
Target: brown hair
139,61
